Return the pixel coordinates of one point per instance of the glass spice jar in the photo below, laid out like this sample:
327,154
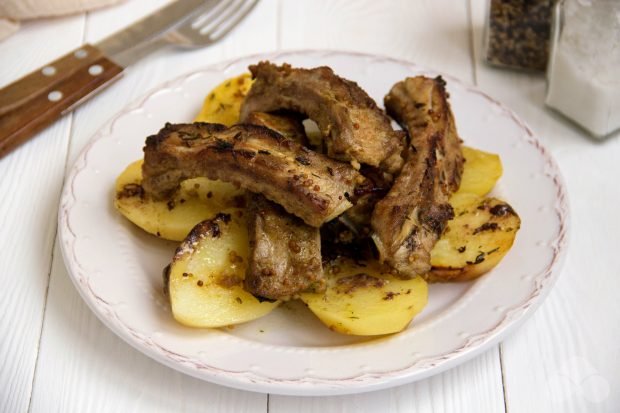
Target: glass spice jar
517,33
583,78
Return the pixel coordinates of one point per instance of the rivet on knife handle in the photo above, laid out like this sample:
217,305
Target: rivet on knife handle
38,99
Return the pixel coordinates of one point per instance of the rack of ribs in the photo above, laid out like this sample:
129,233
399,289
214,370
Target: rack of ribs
409,220
354,128
285,253
307,184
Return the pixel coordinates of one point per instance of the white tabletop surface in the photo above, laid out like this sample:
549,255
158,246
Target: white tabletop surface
55,355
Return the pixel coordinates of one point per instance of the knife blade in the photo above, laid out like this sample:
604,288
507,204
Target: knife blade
121,45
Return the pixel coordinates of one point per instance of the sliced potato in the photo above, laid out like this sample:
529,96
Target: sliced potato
475,241
205,279
196,200
481,171
364,300
223,103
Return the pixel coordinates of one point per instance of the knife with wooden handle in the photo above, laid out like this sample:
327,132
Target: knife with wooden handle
38,99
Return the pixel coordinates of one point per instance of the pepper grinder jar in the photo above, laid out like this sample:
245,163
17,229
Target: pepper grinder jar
517,33
584,67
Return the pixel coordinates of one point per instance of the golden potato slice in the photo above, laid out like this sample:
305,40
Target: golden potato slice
205,279
364,300
223,103
481,171
475,241
196,200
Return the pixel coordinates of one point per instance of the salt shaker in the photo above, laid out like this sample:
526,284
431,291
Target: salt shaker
584,67
517,33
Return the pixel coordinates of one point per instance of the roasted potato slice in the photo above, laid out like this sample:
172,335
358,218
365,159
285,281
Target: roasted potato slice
222,104
196,200
481,233
205,279
366,300
481,172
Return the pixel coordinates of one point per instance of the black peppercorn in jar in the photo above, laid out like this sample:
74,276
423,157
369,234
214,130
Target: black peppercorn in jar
517,33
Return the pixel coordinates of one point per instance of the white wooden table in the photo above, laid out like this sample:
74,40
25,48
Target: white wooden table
55,355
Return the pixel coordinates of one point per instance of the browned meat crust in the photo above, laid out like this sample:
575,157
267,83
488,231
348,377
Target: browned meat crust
291,127
410,219
420,104
308,185
354,128
285,253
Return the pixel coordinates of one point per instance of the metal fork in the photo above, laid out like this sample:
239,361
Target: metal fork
206,26
212,25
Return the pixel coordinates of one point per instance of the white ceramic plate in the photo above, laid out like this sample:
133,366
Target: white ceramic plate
117,268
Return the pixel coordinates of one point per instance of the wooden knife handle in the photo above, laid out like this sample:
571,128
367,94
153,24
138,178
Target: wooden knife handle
40,98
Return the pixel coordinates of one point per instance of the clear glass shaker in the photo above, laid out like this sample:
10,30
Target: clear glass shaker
517,33
584,66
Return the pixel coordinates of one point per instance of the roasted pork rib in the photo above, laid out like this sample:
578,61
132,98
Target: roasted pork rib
409,220
354,128
307,184
285,252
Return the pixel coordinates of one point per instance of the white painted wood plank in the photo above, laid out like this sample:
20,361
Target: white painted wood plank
434,34
475,386
100,372
30,182
567,357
